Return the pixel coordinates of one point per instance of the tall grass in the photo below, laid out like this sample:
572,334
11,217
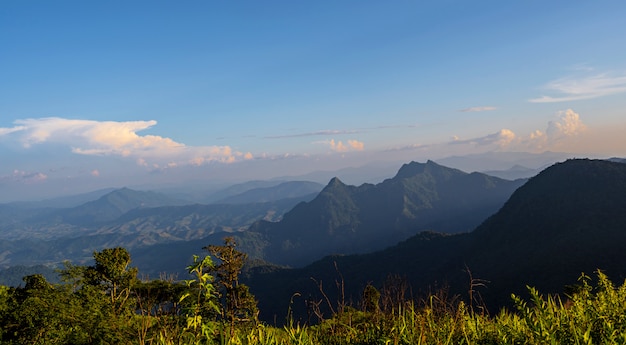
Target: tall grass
594,314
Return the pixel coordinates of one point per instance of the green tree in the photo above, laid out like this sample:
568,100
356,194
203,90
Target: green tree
40,313
113,274
371,299
239,305
201,300
104,291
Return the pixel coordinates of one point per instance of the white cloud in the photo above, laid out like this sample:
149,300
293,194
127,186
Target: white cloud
5,131
310,134
478,109
356,145
568,123
25,177
88,137
410,147
559,134
351,145
500,139
588,87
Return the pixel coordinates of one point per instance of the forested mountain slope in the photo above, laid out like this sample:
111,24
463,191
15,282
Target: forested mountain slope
347,219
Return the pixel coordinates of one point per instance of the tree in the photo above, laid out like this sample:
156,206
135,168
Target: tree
112,273
239,304
40,313
107,286
371,298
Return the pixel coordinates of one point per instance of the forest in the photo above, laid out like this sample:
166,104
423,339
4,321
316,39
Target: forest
106,303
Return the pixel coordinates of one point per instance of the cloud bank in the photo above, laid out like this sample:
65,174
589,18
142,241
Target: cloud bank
566,126
588,87
350,145
477,109
111,138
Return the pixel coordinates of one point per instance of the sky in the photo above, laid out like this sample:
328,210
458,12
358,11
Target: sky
97,94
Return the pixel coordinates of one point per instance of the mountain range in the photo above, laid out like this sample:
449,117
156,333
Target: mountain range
31,235
346,219
567,220
285,223
428,228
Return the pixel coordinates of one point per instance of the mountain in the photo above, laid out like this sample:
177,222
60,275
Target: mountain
44,237
237,189
568,219
347,219
617,160
515,172
112,205
63,202
571,218
496,161
12,276
372,172
143,227
285,190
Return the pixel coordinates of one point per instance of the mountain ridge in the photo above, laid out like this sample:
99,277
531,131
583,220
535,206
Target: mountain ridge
567,220
349,219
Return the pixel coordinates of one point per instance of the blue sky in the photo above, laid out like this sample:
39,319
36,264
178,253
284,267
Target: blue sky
96,94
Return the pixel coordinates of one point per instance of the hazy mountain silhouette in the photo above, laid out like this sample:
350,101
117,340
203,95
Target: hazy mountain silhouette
112,205
285,190
515,172
63,201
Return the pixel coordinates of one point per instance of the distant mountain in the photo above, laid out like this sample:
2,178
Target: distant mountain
570,218
237,189
181,223
373,172
45,239
497,161
114,204
65,201
347,219
515,172
617,160
12,276
285,190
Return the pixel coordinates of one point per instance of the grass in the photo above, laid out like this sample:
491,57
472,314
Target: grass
593,314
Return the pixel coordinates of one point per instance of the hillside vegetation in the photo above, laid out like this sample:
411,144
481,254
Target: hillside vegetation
346,219
522,276
105,303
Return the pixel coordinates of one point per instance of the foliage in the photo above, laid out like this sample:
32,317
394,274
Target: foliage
106,304
238,304
203,305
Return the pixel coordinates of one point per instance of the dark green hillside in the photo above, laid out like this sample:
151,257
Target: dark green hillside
571,218
347,219
568,219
